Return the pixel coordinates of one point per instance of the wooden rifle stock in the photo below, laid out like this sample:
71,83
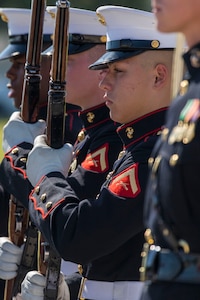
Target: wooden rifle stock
50,265
18,215
18,220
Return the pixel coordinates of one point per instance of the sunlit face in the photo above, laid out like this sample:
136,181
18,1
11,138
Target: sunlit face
82,83
178,16
127,85
16,75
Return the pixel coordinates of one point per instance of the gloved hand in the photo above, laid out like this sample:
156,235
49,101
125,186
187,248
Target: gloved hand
10,257
16,131
43,160
32,287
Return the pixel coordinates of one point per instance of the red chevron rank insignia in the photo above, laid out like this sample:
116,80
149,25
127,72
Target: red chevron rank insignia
97,161
126,183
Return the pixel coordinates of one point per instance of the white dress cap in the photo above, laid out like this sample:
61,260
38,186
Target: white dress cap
18,22
85,31
81,21
130,32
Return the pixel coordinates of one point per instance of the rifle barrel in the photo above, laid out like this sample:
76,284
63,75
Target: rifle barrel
57,85
56,122
30,98
32,78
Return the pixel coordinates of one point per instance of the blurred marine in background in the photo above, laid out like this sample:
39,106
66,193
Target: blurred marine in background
18,21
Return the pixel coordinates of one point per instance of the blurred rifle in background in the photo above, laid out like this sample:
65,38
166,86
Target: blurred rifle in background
20,228
56,129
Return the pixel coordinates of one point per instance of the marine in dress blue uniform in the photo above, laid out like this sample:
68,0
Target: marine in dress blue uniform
18,36
107,229
171,209
17,20
97,146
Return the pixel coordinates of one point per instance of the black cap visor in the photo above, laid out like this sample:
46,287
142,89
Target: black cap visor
72,49
113,56
78,48
18,45
13,50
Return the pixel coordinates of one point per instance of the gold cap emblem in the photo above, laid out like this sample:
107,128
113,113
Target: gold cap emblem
81,135
4,18
52,14
101,19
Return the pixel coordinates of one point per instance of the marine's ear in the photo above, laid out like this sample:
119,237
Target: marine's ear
161,74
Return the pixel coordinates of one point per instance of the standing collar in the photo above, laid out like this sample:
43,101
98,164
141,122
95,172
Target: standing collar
95,116
141,128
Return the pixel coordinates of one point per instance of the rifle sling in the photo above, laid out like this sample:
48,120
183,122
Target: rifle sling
29,257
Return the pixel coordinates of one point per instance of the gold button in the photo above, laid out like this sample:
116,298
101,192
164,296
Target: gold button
80,269
150,161
165,134
159,132
73,165
43,197
23,159
15,150
49,205
156,164
165,232
173,160
121,154
184,87
103,38
37,190
109,175
189,133
155,44
148,236
81,135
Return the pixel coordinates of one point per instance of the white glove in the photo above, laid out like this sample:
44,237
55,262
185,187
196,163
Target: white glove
10,257
16,131
43,160
32,287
